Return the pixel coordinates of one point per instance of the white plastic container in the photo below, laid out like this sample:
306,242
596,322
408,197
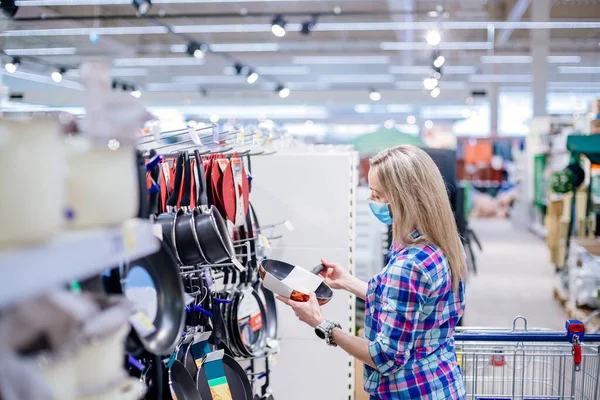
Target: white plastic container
61,376
100,363
103,186
32,178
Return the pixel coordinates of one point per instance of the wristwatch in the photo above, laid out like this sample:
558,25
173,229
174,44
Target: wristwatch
325,329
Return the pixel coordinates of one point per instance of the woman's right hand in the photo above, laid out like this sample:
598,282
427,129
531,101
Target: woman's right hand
334,275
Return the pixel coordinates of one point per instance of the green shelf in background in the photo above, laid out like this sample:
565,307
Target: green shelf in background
588,145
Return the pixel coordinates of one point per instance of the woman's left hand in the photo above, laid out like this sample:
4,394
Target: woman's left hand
308,312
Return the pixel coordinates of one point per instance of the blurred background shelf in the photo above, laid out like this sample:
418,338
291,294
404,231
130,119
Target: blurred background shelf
31,271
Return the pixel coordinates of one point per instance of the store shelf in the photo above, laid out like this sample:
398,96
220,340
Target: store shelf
27,272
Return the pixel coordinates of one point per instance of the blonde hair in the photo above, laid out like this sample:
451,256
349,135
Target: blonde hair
418,199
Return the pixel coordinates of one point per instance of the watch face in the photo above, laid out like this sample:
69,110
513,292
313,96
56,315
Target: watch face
320,333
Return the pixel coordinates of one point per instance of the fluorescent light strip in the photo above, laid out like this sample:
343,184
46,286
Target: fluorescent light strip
42,51
299,86
122,72
275,70
506,59
231,47
43,79
492,78
357,79
425,69
295,27
563,59
243,47
156,62
570,85
442,46
524,59
219,79
399,108
579,70
327,60
128,30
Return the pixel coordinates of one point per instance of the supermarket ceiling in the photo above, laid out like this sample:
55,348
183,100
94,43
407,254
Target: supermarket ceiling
333,52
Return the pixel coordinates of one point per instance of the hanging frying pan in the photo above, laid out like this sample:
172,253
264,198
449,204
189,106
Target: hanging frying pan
167,220
187,240
211,373
213,235
246,322
154,285
180,383
267,297
294,282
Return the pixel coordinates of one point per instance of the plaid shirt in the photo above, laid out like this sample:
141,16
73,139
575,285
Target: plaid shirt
410,314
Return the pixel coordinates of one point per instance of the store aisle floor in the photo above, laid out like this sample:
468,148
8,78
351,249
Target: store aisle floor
515,277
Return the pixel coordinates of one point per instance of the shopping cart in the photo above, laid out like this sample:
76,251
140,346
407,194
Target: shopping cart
528,364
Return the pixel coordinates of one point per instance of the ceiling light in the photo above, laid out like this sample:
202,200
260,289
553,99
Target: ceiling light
252,77
430,83
500,78
42,51
411,120
470,100
240,69
362,108
197,50
435,92
436,75
308,25
442,46
374,95
428,124
433,37
8,7
506,59
142,6
563,59
309,122
389,124
12,66
283,91
337,10
579,70
327,60
278,26
439,61
57,76
243,11
135,92
214,118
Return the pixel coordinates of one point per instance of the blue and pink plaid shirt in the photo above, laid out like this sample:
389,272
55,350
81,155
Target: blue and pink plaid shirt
410,314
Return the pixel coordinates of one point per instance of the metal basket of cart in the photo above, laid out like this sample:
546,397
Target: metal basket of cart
528,364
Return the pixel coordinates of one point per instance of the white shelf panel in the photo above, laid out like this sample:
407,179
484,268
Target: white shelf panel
31,271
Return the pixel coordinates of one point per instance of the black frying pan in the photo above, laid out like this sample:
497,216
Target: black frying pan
163,272
268,297
180,384
238,382
280,270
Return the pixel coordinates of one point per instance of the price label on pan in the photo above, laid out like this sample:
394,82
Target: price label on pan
142,324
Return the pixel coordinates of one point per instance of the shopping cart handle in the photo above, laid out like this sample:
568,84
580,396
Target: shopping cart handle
521,337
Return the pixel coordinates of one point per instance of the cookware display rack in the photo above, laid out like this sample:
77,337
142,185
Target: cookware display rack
232,143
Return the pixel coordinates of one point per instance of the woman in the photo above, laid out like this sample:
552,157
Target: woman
414,303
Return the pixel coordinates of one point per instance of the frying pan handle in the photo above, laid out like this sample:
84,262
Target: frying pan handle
187,181
318,269
172,201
